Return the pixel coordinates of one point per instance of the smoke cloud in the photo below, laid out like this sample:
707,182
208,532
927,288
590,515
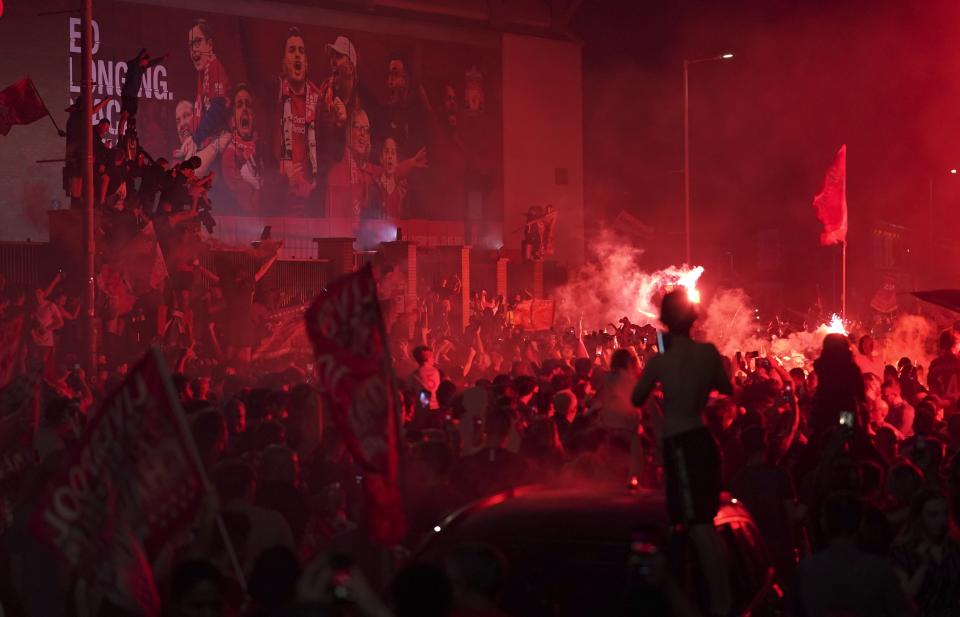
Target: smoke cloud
914,337
612,284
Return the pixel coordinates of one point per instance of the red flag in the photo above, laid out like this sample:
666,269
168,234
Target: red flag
356,375
20,104
130,484
830,203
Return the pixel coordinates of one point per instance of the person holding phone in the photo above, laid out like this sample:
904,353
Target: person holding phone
426,378
688,372
840,386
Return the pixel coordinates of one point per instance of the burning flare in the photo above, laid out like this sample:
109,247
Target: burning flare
689,280
665,280
835,326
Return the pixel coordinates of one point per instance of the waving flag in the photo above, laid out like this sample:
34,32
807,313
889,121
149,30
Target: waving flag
20,104
355,374
131,483
830,203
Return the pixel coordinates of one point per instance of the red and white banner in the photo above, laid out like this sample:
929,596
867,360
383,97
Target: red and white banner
534,315
355,374
129,485
830,203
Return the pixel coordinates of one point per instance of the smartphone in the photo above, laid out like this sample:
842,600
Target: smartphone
787,397
753,354
424,399
846,419
340,578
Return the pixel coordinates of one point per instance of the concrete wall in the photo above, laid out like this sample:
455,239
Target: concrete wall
542,137
36,46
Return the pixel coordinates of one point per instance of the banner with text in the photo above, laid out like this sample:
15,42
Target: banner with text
355,374
303,120
128,486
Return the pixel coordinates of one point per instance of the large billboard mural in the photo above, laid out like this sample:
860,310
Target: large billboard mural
305,121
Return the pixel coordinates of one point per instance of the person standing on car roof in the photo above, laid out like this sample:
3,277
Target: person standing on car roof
687,372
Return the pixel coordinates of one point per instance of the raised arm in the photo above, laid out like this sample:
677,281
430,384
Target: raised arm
210,275
155,61
262,272
53,284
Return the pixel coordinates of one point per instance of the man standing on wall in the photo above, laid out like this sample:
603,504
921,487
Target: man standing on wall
130,93
298,103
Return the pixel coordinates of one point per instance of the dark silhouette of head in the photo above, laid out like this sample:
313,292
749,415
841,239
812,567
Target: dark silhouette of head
677,312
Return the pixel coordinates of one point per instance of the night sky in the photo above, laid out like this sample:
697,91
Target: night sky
882,77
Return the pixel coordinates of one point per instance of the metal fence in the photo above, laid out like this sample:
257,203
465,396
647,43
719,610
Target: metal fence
27,265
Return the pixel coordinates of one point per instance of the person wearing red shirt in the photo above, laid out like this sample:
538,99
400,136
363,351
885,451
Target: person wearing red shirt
242,164
351,183
298,102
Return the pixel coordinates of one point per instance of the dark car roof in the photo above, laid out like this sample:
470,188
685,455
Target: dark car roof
594,514
565,546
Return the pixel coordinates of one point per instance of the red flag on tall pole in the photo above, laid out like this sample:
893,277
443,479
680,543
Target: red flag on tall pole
20,104
355,374
830,203
132,482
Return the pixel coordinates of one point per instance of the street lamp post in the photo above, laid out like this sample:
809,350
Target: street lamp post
686,146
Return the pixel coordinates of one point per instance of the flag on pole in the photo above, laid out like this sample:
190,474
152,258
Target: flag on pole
355,374
131,483
830,203
20,104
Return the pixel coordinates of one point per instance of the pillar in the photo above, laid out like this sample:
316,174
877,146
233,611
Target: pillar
465,291
502,276
339,251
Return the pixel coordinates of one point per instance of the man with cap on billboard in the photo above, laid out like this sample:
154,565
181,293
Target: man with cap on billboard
342,96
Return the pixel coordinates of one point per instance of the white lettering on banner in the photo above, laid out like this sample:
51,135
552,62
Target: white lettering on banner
104,79
76,35
74,87
160,83
109,76
331,372
88,486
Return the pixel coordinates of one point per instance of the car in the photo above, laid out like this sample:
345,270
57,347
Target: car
567,549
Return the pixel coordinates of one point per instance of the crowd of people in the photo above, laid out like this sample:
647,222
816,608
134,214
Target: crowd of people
849,469
849,466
